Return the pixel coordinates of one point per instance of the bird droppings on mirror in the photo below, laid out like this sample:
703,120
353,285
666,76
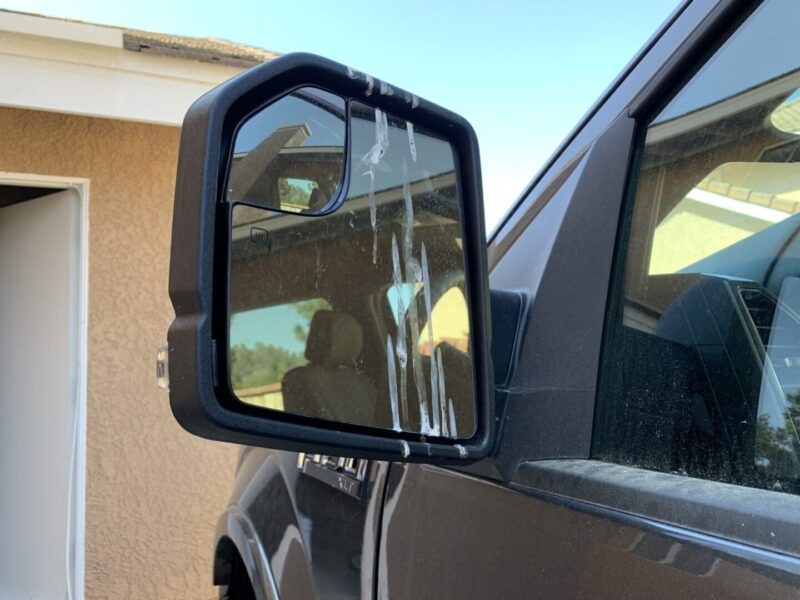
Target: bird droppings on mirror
360,314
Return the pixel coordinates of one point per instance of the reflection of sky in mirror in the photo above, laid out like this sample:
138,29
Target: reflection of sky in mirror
326,128
434,157
272,326
404,292
766,48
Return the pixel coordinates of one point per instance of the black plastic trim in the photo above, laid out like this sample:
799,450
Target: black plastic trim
196,272
550,404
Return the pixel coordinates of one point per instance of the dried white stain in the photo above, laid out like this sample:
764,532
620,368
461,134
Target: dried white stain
408,225
371,159
412,100
426,292
400,347
373,220
412,144
370,85
386,89
413,276
462,452
452,416
438,417
404,449
392,374
442,396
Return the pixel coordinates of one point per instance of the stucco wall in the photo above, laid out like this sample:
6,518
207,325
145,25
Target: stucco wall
153,491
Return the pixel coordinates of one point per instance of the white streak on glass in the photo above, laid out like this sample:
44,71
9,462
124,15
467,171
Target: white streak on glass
373,221
408,222
442,397
414,276
436,422
426,291
412,145
452,414
371,159
392,374
400,348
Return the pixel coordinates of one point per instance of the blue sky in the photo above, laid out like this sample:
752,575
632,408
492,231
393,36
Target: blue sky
522,72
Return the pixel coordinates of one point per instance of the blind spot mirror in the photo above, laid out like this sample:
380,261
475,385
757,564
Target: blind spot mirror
289,155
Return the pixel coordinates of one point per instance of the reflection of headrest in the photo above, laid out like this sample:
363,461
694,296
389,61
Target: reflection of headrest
317,201
334,339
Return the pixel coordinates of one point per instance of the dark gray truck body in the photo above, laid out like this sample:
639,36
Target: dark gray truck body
538,518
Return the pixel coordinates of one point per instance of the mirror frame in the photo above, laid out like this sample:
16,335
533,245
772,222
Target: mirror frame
199,266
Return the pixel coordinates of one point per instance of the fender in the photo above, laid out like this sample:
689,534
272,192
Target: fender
236,533
263,520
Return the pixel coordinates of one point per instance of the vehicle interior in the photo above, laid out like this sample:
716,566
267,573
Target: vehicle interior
705,352
334,285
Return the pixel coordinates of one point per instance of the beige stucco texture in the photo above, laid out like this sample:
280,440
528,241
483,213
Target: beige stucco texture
153,491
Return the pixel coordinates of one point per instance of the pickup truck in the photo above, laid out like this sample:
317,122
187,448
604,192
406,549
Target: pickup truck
600,401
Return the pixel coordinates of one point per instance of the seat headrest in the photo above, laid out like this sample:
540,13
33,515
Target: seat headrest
334,339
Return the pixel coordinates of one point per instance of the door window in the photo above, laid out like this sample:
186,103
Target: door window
701,372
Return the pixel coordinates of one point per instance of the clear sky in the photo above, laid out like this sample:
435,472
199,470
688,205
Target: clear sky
522,72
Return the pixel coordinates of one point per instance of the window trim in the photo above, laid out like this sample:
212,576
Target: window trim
743,515
726,515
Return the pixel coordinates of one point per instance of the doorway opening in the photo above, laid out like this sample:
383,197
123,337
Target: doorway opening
43,309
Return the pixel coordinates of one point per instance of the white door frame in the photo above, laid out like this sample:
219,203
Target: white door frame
77,518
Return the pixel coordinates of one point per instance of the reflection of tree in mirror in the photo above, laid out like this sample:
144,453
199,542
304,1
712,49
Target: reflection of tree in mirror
295,193
261,364
258,364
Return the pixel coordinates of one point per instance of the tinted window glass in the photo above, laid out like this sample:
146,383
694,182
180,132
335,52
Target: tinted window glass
702,366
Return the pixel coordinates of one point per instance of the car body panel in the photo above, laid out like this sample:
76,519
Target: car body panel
494,529
450,535
318,540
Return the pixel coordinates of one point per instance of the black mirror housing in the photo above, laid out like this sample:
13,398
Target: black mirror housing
200,392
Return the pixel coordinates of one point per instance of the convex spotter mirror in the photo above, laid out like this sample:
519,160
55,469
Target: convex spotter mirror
348,279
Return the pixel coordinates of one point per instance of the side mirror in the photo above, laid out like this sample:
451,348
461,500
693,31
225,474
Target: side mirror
328,269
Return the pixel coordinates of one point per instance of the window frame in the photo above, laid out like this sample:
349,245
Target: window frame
543,448
757,524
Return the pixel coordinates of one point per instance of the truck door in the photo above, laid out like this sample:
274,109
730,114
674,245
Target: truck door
648,443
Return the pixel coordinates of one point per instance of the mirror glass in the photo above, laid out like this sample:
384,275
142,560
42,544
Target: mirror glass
360,315
289,155
786,116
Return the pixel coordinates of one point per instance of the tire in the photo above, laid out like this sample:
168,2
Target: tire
239,586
